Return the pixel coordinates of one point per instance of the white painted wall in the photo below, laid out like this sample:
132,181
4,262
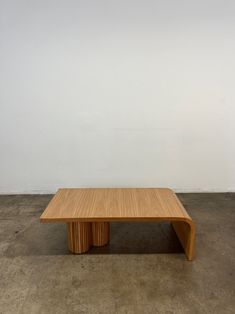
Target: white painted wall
117,93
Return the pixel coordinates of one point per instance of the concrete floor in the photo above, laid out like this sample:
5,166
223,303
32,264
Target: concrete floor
142,270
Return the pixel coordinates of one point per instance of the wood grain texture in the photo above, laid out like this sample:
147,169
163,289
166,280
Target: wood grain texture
79,236
186,234
100,233
69,205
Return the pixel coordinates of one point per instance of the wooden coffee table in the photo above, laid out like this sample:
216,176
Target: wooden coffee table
88,212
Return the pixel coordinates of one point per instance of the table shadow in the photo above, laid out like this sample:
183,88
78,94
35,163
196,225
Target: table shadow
125,238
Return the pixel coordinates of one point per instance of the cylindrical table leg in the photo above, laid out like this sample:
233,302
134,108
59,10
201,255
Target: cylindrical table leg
100,233
79,236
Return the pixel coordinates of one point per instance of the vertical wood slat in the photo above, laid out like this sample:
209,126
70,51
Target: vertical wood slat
79,236
100,233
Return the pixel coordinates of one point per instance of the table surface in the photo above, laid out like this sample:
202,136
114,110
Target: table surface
114,204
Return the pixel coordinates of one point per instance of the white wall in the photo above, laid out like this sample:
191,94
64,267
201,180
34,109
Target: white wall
117,93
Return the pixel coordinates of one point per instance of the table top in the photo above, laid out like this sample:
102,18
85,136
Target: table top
114,204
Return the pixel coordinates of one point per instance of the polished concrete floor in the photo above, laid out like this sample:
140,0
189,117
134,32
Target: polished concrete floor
142,270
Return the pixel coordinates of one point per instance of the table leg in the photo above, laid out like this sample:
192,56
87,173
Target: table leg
100,233
79,236
186,234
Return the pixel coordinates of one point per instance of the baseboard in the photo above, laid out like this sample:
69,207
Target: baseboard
177,190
